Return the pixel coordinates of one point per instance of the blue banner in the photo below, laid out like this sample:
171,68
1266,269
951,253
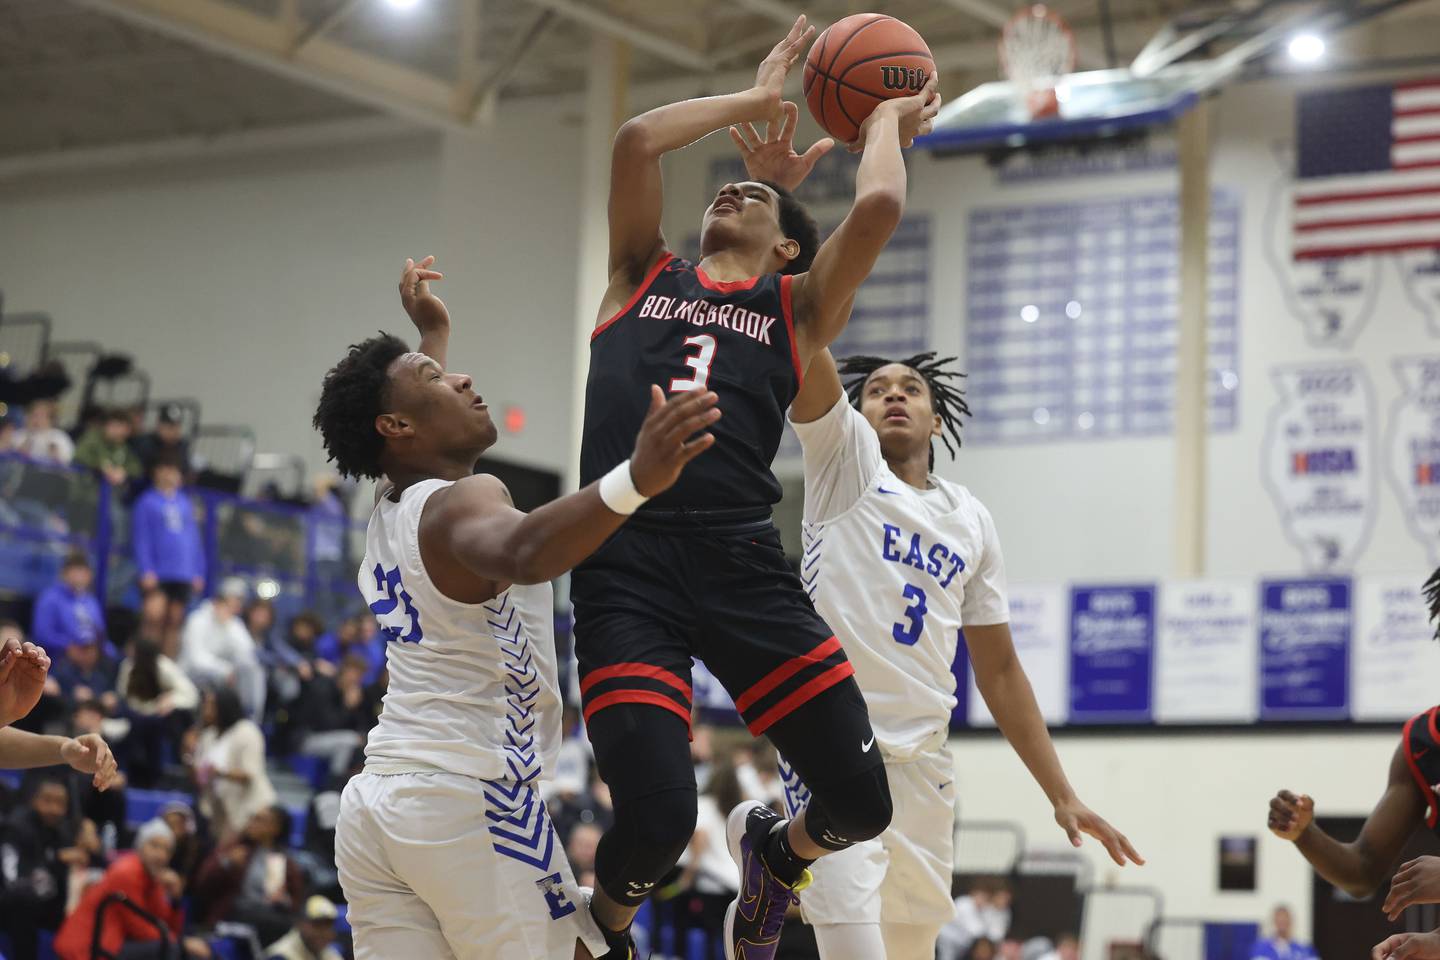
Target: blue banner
1112,646
1305,649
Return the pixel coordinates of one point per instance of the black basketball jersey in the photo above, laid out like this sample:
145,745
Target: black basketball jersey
685,331
1422,753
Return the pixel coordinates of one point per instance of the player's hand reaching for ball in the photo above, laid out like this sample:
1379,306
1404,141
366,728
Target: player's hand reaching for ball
770,77
1408,946
1415,882
1075,819
914,115
671,437
773,157
1290,815
426,310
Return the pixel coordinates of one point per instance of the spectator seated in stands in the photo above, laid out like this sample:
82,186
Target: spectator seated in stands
36,856
216,649
68,611
230,764
191,846
335,713
106,449
982,912
252,879
313,936
356,634
580,849
84,672
169,555
167,441
41,440
329,520
160,702
1283,945
146,879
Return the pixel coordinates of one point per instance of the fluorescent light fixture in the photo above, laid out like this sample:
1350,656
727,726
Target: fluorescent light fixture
1307,47
403,5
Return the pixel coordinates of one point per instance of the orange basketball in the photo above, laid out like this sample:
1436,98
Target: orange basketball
858,62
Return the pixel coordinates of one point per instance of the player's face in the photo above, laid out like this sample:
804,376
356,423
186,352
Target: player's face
745,215
441,408
896,400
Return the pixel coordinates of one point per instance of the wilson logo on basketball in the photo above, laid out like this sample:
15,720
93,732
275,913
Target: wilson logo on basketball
902,78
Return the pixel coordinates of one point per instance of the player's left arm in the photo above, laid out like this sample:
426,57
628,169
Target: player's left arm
426,310
822,295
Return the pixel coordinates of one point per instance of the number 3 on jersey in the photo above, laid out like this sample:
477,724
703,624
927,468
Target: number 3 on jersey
909,632
699,362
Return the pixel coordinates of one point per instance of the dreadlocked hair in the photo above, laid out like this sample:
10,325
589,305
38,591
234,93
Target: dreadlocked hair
355,393
945,394
1432,595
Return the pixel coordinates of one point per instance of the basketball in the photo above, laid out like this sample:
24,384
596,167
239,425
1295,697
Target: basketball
858,62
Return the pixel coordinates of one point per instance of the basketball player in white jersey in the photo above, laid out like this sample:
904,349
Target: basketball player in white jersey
897,560
443,844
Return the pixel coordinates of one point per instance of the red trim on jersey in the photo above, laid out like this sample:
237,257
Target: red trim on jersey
635,298
636,696
635,670
1432,813
798,699
784,672
723,286
786,308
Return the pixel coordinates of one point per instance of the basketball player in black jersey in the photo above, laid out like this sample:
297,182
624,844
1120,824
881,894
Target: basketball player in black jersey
699,571
1411,798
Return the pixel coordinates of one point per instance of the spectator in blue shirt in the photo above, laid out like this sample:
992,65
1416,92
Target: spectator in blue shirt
67,611
168,553
355,636
1282,946
86,673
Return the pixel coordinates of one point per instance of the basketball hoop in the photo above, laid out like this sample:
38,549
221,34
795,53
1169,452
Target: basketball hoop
1036,50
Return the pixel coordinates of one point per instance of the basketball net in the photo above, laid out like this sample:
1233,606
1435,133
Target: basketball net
1036,50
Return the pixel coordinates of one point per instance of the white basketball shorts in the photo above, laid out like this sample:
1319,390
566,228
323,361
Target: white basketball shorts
450,867
902,876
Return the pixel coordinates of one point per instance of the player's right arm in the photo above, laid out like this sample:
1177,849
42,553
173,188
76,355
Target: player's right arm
479,529
636,188
1358,867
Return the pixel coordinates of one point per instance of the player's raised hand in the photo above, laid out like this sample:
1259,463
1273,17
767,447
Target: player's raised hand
770,77
1415,882
670,437
426,310
773,157
915,115
1408,946
1290,815
1075,819
23,670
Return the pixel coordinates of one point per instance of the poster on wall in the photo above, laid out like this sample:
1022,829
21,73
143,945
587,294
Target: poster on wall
1414,449
1395,663
1420,271
1317,462
1207,653
1112,646
1304,649
1039,624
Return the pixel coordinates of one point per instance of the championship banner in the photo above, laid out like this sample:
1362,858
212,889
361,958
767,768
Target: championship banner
1317,462
1395,663
1112,645
1304,649
1420,270
1039,624
1207,657
1413,448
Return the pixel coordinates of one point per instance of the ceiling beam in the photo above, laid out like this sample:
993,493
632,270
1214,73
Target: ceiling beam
482,99
331,20
637,36
265,42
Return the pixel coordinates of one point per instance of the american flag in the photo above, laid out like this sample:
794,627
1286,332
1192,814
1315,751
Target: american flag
1368,178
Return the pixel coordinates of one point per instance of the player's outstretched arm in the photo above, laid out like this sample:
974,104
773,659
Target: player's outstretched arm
426,310
845,259
1007,692
478,528
636,190
1358,868
20,750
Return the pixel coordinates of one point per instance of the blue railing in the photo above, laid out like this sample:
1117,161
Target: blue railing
46,511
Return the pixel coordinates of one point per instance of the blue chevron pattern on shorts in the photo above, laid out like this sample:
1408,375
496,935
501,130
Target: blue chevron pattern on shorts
519,826
797,795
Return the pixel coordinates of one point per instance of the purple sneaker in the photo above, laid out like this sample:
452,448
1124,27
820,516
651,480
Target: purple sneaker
754,920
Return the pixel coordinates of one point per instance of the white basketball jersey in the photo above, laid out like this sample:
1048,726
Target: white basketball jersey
472,686
895,572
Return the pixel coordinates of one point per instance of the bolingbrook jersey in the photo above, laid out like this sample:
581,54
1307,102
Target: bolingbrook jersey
472,686
684,331
895,572
1422,754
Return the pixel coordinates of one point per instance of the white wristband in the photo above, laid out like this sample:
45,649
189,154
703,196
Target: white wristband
617,489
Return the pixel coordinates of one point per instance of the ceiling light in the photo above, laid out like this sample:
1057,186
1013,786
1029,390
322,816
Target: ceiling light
403,4
1307,47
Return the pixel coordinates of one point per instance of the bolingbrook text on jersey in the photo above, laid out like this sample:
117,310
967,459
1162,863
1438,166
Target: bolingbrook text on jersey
703,313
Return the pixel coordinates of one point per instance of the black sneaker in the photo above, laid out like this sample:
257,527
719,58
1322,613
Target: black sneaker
754,921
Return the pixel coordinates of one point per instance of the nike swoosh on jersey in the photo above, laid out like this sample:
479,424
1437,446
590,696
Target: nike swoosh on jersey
893,493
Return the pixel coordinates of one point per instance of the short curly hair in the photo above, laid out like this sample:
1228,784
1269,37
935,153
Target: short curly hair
355,392
796,224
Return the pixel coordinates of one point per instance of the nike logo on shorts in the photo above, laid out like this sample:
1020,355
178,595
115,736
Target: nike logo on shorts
865,747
